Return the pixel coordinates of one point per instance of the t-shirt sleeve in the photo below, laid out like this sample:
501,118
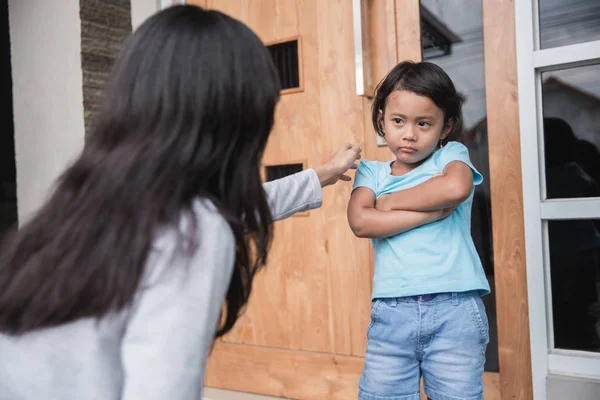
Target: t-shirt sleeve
455,151
366,176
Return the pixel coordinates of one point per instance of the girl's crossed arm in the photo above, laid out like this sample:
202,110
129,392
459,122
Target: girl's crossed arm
366,221
444,191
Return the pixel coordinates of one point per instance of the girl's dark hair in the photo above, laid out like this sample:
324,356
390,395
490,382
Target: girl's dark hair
186,115
425,79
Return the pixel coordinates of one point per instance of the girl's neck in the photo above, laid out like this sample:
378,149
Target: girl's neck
399,168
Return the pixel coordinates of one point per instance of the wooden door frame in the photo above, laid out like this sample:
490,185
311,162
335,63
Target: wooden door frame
507,199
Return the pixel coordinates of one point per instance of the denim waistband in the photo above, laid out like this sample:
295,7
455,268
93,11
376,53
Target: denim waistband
433,297
424,297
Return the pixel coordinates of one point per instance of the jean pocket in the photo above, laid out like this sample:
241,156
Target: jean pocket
480,318
375,308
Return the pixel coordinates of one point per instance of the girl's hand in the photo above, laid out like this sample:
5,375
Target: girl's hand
343,160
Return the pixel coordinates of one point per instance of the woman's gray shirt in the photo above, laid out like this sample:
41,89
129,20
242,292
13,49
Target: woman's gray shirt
156,349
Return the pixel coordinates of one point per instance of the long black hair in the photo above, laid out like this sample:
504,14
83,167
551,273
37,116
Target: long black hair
186,114
425,79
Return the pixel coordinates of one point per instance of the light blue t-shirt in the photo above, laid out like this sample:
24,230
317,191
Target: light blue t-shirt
438,257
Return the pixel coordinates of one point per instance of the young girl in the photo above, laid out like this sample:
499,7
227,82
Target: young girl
427,316
114,289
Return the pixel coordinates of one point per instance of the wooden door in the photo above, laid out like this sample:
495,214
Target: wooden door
303,334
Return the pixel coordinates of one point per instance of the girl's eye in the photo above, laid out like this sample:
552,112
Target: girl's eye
424,123
398,120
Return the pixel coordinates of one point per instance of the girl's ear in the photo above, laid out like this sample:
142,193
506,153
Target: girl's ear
381,121
448,126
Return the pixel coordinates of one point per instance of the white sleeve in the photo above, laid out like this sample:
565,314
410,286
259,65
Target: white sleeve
298,192
175,315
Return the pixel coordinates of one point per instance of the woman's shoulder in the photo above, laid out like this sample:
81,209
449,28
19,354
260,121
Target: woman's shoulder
204,220
201,233
206,212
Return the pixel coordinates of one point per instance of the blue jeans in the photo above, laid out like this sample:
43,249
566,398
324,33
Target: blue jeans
442,339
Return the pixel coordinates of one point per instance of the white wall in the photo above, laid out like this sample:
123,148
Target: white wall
142,9
47,90
561,387
47,93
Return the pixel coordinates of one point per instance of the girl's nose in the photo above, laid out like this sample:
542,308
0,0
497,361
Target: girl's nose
409,133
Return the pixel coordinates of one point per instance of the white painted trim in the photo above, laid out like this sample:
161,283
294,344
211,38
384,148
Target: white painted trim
358,47
548,284
570,208
142,10
526,32
539,116
567,56
168,3
531,62
577,364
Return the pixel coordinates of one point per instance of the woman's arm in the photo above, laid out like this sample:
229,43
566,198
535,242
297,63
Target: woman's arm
443,191
366,221
302,191
174,317
294,193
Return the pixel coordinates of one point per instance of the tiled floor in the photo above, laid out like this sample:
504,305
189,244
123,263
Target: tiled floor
217,394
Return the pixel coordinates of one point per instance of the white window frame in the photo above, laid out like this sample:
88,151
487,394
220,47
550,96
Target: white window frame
531,62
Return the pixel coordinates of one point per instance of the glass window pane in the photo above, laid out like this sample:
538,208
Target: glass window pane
571,101
452,37
566,22
575,277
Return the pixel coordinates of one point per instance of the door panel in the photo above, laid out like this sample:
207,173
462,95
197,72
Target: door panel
314,294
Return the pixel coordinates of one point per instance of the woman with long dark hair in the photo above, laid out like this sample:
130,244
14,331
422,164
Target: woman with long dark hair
114,289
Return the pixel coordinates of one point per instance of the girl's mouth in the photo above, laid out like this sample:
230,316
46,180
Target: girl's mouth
408,150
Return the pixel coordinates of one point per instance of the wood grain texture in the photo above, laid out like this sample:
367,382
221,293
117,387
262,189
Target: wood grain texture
281,373
348,261
408,30
237,9
291,293
315,293
199,3
395,36
507,199
381,33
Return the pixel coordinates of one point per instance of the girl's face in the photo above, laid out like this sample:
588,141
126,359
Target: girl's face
413,127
